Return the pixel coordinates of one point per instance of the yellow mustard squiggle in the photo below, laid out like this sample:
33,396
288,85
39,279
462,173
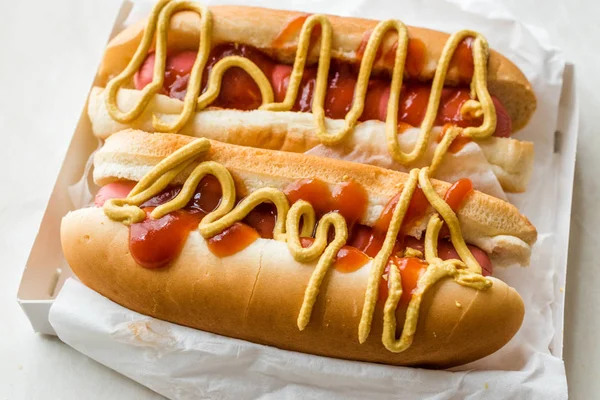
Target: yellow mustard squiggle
478,88
189,187
436,271
300,62
431,238
320,248
303,211
127,210
134,65
287,228
381,259
481,102
437,268
221,67
225,215
210,228
432,275
451,220
162,12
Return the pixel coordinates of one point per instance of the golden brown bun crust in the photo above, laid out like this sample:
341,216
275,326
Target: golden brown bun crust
487,222
258,27
256,295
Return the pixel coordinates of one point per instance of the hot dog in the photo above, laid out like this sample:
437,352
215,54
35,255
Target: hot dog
330,258
239,91
271,42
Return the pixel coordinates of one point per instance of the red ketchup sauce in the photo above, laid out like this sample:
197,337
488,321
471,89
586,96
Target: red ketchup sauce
362,47
349,198
348,258
292,29
455,196
411,269
239,91
462,59
232,240
415,55
457,193
370,240
154,243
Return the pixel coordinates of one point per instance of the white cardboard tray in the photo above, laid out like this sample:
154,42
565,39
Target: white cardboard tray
46,270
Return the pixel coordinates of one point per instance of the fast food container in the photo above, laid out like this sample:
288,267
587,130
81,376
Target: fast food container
46,270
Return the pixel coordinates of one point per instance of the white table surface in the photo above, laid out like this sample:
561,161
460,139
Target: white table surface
33,105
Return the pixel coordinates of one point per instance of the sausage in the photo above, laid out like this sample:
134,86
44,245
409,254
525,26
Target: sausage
446,251
116,190
239,91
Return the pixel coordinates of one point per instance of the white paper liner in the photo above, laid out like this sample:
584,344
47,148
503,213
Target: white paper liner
183,363
468,162
179,362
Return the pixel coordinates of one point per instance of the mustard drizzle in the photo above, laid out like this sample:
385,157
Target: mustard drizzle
480,104
287,228
212,91
161,15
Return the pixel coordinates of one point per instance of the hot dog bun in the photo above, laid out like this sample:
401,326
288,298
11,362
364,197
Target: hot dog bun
491,224
258,27
511,160
255,295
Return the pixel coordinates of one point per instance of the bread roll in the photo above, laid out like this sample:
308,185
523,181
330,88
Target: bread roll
256,295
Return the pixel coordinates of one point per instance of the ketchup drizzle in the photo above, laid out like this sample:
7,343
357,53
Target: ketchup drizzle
348,258
458,192
239,91
154,243
411,269
232,240
293,28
